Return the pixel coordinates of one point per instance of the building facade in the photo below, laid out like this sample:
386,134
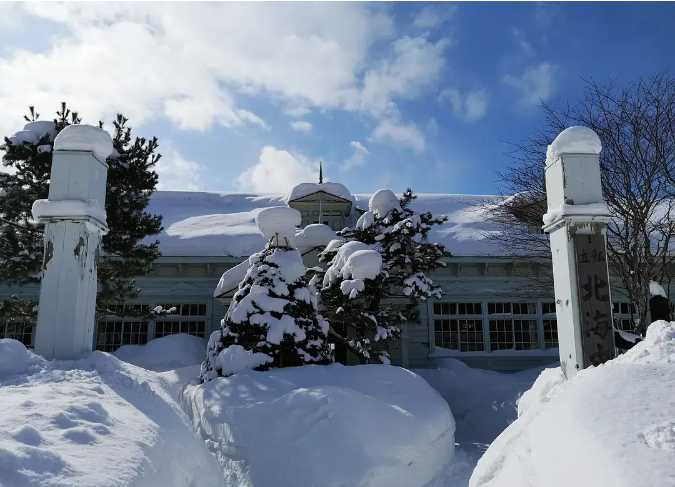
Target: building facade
494,313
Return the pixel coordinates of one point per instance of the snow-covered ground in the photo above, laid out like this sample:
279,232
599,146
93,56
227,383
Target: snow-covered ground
96,422
612,425
103,422
369,425
483,402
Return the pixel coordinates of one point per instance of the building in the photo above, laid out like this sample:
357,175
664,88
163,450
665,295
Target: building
492,314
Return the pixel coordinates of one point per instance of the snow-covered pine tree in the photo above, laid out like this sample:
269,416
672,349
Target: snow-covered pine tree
351,294
25,177
399,234
273,319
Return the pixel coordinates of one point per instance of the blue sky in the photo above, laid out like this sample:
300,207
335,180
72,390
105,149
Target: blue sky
251,97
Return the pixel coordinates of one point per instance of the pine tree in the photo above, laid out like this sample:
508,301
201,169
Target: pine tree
274,313
351,298
399,234
27,163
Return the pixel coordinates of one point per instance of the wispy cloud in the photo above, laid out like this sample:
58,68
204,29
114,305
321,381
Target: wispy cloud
358,157
470,106
301,126
534,85
404,134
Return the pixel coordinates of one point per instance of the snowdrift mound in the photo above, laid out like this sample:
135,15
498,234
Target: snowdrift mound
95,422
368,425
612,425
165,353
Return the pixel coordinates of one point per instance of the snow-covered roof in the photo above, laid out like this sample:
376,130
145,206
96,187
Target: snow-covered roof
213,224
304,189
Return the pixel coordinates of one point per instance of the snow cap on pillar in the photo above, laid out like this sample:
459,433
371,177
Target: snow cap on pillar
85,138
574,140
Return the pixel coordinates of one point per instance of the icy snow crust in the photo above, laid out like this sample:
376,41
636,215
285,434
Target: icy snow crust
367,425
95,422
212,224
609,425
85,138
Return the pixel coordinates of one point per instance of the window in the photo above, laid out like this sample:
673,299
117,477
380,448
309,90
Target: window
512,308
624,316
525,334
465,335
550,333
18,330
112,334
548,307
509,334
457,308
189,318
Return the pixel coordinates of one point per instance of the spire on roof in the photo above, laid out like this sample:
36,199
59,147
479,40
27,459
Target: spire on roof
320,172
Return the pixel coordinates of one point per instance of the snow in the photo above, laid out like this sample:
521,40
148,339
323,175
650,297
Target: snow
85,138
33,132
96,422
656,289
339,262
231,278
363,264
304,189
75,209
483,403
165,353
236,358
593,210
314,235
367,425
212,224
383,201
280,222
574,140
608,425
14,359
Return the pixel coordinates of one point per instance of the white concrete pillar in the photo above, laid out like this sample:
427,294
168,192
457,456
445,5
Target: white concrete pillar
75,219
577,220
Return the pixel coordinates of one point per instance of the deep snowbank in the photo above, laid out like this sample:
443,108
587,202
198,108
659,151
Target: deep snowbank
612,425
95,422
165,353
368,425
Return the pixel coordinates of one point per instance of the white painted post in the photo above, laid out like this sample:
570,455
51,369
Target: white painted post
75,219
577,220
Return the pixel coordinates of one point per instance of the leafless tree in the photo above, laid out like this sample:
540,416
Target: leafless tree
636,125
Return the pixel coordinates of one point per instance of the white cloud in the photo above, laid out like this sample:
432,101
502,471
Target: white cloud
176,172
534,85
413,65
301,126
432,16
406,135
470,106
277,171
358,157
189,62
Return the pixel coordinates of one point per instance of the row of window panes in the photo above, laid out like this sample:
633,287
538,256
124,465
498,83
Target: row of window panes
164,328
18,330
110,335
463,335
623,308
493,308
191,309
457,308
467,335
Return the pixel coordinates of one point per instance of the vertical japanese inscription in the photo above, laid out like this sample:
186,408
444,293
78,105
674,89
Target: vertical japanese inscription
595,306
